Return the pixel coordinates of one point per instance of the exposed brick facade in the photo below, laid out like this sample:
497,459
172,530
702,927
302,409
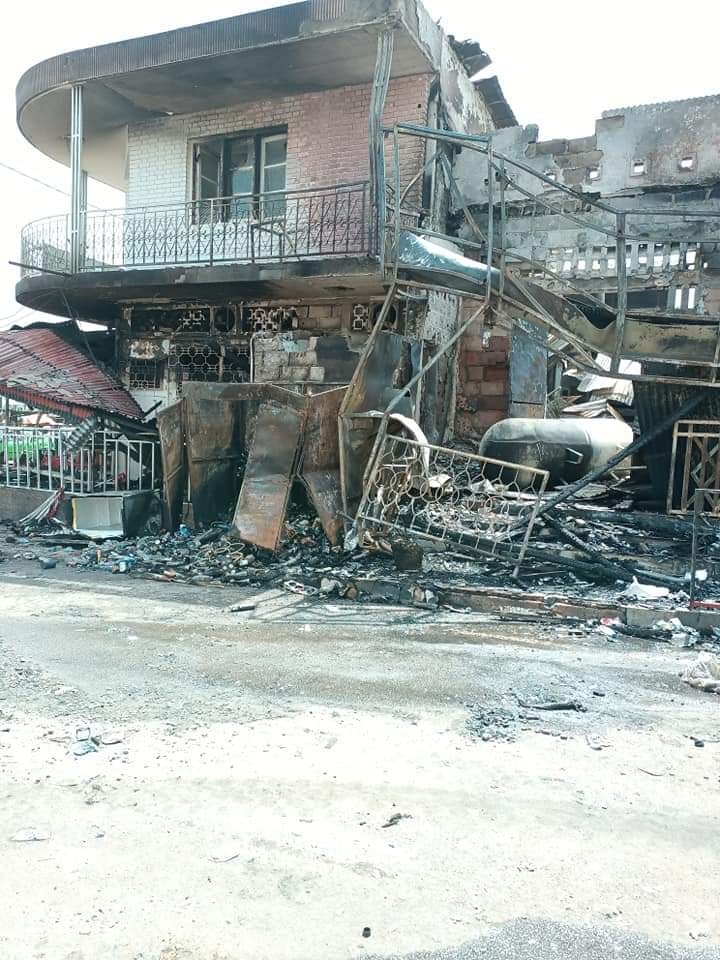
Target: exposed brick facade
327,138
483,381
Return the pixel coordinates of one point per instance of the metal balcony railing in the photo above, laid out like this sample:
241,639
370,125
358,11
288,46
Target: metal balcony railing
276,227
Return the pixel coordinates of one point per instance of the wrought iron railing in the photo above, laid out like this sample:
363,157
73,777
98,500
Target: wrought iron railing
107,462
324,222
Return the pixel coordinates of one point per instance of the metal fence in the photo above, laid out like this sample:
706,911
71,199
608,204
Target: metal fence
107,462
694,465
450,496
324,222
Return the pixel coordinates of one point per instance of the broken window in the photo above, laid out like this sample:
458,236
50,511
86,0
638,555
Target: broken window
674,254
686,163
691,257
611,259
248,172
551,175
658,256
224,319
638,168
582,260
596,258
642,254
594,173
568,259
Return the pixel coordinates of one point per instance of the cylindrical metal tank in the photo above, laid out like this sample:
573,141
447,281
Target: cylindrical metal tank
567,447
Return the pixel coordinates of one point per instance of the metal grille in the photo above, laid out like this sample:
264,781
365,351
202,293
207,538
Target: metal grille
360,316
266,321
207,362
451,496
695,464
144,374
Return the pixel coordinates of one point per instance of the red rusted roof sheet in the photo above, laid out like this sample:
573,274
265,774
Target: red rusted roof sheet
39,368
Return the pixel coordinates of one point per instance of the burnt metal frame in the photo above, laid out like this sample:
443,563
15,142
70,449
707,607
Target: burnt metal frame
498,168
482,545
701,436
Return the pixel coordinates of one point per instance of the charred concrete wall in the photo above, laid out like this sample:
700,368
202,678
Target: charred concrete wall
656,157
643,159
633,151
310,345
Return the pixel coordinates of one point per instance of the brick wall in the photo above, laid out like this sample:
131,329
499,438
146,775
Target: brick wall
327,138
483,382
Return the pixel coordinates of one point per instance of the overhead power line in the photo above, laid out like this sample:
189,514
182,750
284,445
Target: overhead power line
21,173
42,183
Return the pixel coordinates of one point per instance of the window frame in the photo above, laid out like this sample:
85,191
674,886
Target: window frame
260,138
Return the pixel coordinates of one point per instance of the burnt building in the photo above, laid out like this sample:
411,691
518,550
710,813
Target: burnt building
249,246
656,163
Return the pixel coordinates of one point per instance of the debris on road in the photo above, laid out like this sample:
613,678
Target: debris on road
225,855
555,705
396,818
704,674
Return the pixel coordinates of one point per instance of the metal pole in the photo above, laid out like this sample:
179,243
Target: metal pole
76,177
491,219
697,510
621,260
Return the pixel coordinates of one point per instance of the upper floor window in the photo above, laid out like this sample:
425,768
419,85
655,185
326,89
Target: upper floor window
249,172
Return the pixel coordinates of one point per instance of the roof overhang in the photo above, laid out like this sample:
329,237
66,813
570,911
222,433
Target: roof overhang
299,48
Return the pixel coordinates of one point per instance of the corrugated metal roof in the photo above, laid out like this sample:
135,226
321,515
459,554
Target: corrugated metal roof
39,367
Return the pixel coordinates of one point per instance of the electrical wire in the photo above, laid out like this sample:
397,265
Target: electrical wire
42,183
21,173
11,315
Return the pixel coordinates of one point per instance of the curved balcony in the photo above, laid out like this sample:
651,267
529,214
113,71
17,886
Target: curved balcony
328,222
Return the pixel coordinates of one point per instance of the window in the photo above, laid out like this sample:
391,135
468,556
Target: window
594,173
551,175
642,254
687,163
638,168
249,172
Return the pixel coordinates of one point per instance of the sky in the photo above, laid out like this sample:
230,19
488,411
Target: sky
558,70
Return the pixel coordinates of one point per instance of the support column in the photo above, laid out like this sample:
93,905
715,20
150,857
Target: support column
78,181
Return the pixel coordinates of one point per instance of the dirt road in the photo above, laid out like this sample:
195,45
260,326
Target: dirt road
241,811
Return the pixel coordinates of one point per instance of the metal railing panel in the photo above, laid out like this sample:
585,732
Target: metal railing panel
290,225
40,459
